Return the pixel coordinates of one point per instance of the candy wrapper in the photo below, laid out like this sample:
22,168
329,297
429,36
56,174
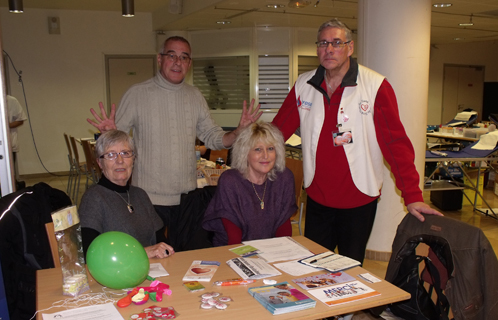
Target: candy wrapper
70,248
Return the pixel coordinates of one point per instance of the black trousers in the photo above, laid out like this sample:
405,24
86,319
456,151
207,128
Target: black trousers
346,229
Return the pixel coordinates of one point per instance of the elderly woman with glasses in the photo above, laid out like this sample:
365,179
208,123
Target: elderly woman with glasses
114,205
255,199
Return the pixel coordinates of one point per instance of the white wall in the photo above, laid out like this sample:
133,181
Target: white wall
64,75
476,54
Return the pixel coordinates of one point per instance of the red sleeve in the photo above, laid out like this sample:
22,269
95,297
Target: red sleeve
396,147
287,118
234,233
285,230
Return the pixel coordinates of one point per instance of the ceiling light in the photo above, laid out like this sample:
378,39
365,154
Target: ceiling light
467,24
224,22
15,6
128,8
275,6
298,3
442,5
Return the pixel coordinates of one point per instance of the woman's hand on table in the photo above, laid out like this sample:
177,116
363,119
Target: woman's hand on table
160,250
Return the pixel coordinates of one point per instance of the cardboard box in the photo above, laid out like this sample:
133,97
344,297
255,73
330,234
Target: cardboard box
472,173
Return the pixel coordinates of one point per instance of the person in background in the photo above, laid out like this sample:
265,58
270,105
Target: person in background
114,205
16,118
349,122
166,115
256,198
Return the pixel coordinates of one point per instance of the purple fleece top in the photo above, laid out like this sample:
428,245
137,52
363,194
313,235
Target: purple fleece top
236,201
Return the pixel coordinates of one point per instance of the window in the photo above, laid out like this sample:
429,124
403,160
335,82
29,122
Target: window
224,82
273,81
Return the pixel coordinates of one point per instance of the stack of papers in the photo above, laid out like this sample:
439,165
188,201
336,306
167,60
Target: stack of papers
330,261
279,249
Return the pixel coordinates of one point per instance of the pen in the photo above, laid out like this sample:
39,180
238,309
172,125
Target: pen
233,282
313,261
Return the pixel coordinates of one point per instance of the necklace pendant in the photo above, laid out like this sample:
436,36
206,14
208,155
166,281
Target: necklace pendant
262,205
130,208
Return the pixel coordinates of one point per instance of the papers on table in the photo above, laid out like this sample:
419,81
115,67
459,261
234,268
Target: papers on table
279,249
157,270
295,268
251,268
101,311
331,261
487,141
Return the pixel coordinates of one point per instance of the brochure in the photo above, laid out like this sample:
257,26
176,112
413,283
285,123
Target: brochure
343,293
281,298
331,261
252,268
279,249
323,280
201,270
245,251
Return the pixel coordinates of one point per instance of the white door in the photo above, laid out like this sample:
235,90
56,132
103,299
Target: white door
123,71
462,89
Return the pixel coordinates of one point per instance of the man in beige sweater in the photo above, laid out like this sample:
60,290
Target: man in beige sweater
166,115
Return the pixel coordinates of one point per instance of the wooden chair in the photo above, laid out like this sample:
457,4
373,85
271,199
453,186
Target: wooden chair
54,248
93,170
296,166
73,171
215,154
81,167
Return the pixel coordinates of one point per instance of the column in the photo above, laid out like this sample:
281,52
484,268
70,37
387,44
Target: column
394,40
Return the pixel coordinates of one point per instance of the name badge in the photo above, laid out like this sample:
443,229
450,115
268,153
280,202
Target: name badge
342,138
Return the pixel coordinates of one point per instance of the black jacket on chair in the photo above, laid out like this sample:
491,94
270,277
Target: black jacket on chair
24,246
472,288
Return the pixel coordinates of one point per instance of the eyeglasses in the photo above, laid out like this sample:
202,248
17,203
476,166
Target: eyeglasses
114,155
336,44
174,58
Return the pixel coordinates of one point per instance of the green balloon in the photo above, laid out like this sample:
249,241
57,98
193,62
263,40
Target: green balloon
117,260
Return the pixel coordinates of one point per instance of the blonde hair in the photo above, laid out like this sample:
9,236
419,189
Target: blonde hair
258,132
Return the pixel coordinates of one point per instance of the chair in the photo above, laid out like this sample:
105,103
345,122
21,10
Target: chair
215,154
73,171
81,169
296,166
93,170
54,248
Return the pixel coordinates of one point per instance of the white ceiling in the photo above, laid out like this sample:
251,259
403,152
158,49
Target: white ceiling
204,14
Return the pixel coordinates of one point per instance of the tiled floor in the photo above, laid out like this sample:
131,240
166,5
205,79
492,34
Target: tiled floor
466,214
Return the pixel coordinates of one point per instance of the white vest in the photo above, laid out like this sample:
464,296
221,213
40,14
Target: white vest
363,154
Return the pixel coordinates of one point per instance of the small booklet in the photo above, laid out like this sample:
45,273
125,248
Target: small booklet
201,270
245,251
343,293
323,280
193,286
281,298
330,261
252,268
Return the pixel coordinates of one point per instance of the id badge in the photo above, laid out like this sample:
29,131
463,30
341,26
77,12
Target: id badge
342,138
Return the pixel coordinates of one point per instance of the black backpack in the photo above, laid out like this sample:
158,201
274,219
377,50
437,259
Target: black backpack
438,267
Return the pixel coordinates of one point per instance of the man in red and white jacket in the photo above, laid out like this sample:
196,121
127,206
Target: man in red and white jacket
349,122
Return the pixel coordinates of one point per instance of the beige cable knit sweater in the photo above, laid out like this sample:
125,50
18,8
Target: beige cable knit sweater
165,119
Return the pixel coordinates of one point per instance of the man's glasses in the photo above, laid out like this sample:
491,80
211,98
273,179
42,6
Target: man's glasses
174,58
114,155
336,43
